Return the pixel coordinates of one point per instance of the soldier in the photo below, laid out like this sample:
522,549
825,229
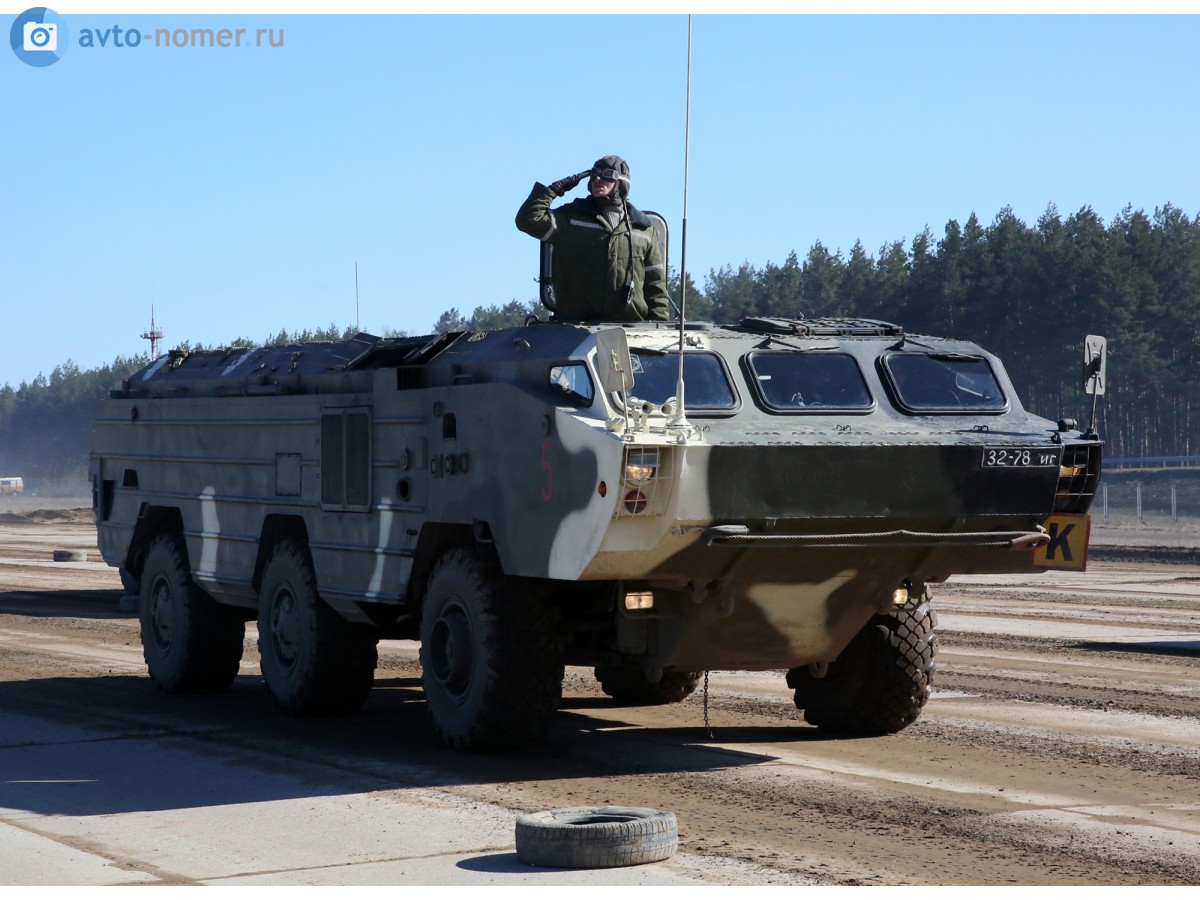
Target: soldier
608,265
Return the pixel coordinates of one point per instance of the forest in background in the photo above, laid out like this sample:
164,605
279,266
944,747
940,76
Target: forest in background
1028,293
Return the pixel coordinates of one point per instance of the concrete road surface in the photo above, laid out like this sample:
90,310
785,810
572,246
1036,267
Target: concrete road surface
136,806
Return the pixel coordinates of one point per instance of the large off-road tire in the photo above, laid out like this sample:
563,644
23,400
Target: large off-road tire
191,643
626,683
315,663
491,653
880,682
588,837
130,582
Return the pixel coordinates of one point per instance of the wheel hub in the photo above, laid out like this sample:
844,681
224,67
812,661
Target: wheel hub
453,653
285,627
162,613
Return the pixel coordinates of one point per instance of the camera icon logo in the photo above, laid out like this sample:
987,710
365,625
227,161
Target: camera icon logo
41,36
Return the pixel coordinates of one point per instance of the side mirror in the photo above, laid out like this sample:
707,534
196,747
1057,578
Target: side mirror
1095,359
613,365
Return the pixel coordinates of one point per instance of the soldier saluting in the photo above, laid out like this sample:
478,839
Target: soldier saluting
608,265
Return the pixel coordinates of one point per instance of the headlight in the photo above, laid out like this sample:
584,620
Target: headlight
639,600
641,464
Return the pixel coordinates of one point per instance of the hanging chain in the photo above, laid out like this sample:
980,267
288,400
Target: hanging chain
707,727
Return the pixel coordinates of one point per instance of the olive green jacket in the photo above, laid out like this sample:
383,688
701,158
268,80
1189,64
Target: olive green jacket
593,268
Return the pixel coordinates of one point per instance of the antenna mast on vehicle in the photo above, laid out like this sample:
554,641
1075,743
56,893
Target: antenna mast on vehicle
678,418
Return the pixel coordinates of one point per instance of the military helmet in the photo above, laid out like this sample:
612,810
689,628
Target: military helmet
615,168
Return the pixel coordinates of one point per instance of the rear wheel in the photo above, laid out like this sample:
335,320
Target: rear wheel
627,683
191,643
880,682
315,663
491,653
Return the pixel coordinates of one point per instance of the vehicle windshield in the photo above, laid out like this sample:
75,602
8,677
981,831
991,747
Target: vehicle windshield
944,382
704,378
797,382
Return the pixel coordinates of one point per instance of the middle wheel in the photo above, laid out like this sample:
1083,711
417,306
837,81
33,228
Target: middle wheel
315,662
627,683
491,653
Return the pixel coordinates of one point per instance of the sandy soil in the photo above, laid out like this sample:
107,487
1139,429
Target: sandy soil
1061,747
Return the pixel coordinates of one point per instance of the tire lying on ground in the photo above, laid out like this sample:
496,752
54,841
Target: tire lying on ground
589,837
70,556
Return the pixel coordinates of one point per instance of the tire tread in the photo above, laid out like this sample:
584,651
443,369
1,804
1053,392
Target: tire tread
566,838
211,635
881,682
340,668
522,643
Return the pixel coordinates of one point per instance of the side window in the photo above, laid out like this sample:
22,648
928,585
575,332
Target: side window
809,382
346,459
573,384
943,383
704,377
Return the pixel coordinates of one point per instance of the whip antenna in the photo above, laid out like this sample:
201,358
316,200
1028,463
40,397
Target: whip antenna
679,418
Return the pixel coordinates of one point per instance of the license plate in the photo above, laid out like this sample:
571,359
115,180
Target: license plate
1020,457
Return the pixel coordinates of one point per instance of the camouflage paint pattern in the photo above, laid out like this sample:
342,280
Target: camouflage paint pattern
381,454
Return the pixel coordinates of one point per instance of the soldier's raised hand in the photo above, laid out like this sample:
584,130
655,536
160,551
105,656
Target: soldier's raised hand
569,183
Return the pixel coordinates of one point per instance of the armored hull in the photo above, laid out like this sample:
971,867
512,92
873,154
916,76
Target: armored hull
819,475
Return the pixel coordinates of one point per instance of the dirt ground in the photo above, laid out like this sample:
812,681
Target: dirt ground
1061,746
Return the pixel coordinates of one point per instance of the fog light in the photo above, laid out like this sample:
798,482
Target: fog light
635,501
899,596
639,600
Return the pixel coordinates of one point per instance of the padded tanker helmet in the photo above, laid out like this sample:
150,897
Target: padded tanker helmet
614,169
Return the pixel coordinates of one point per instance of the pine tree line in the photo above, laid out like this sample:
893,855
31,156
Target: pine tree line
1029,294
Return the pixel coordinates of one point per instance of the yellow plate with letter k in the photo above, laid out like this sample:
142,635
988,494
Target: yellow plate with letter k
1068,544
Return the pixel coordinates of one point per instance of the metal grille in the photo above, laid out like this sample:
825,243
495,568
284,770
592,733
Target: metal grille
346,459
1078,478
333,489
647,492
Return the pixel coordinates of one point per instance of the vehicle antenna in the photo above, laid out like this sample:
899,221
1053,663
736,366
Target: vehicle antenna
678,417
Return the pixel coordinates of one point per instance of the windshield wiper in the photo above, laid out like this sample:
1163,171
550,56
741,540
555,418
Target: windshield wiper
771,339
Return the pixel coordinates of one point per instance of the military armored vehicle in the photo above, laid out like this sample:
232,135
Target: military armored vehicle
534,497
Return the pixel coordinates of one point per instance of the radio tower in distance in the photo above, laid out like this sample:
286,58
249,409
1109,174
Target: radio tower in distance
153,334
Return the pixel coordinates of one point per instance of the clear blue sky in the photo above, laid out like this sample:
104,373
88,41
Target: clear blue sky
235,188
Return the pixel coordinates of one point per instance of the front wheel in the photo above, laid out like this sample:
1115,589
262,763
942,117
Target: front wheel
315,663
491,654
880,682
191,643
